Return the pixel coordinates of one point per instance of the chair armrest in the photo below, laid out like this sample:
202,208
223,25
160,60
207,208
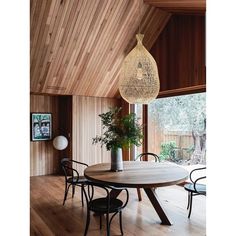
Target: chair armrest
73,170
122,189
78,162
195,183
197,169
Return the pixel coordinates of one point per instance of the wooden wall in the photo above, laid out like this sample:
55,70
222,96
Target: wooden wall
65,124
180,54
77,119
43,157
87,124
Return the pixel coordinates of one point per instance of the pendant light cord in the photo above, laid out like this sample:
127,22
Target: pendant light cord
139,8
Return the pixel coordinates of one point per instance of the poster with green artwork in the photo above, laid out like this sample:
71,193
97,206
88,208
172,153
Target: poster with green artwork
41,126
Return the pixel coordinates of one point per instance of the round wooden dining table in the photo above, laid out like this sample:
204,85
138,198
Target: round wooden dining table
143,174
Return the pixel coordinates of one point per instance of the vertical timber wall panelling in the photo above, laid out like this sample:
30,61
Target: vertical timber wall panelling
180,52
43,157
126,109
86,124
65,124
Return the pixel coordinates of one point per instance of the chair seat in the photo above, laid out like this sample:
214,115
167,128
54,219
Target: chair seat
100,205
75,180
201,188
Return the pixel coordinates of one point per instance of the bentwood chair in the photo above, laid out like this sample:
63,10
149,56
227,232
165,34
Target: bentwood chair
194,187
104,205
147,156
72,177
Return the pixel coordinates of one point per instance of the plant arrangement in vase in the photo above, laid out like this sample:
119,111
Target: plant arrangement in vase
119,132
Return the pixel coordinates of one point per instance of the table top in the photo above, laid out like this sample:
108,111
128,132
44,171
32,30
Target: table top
141,174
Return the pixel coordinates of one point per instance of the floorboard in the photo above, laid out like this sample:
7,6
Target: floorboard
49,217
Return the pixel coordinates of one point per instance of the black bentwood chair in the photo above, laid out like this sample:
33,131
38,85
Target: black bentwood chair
104,205
72,177
194,188
143,157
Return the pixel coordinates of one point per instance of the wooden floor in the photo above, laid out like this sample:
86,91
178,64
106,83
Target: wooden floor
49,217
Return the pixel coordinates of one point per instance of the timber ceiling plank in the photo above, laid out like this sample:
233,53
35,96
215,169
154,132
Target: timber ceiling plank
77,47
99,49
108,46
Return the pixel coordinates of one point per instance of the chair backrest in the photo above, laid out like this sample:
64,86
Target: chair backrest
200,175
68,167
149,155
105,190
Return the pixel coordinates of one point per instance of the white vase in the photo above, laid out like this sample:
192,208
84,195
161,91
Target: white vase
116,160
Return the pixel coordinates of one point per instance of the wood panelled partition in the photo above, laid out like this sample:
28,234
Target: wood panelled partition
180,55
43,157
81,115
87,124
65,124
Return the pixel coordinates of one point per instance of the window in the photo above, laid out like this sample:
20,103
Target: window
177,128
138,109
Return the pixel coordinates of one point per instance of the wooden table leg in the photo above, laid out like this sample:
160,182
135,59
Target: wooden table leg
157,206
139,194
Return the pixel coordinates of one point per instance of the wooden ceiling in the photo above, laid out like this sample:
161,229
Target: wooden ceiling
77,46
179,6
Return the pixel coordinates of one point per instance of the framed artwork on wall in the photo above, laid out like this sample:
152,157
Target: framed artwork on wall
41,126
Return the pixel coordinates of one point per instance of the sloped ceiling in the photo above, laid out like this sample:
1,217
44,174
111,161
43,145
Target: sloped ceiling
77,46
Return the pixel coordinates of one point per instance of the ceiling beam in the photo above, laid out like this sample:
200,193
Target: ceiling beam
181,6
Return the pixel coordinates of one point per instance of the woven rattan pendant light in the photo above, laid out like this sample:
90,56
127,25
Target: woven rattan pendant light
139,79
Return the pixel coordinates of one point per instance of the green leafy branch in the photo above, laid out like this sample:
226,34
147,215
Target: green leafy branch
119,132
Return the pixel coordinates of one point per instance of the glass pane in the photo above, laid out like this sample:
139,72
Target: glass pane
177,128
139,112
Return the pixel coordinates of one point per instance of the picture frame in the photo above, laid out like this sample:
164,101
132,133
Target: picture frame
41,126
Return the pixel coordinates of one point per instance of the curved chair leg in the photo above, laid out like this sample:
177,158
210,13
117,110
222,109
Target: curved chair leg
92,191
108,224
90,194
100,221
121,228
188,200
82,195
87,223
65,194
139,194
190,204
73,190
